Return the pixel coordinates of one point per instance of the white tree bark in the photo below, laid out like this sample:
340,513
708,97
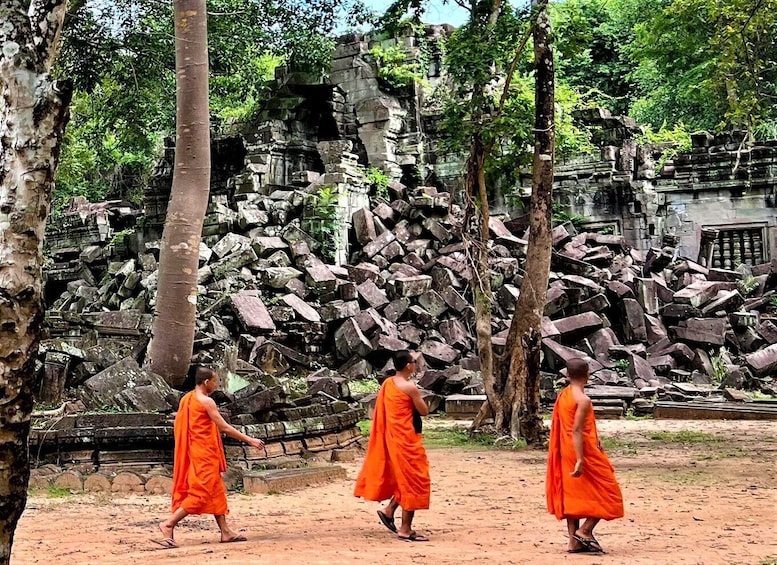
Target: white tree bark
33,114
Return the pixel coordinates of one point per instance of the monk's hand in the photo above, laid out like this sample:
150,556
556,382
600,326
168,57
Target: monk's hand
256,442
578,468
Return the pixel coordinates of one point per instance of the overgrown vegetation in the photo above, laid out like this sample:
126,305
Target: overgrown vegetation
379,182
747,285
53,491
364,386
560,216
677,65
393,69
674,140
720,363
321,219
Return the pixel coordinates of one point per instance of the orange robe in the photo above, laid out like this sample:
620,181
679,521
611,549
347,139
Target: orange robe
199,461
594,494
396,463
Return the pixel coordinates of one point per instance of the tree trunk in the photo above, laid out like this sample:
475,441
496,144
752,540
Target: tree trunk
477,212
525,338
33,115
170,350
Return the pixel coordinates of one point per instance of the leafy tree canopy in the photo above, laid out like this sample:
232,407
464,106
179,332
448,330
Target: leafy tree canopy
121,57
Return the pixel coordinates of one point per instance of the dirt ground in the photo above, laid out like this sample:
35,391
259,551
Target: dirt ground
711,499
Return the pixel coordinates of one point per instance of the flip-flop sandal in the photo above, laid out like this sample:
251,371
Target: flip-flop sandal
584,549
167,543
238,537
388,522
591,543
413,537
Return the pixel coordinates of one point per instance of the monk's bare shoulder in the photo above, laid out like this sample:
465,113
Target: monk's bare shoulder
205,400
405,386
581,398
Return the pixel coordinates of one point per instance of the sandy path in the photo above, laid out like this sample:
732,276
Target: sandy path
701,503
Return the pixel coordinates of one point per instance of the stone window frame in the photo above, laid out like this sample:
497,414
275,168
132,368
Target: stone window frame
745,226
596,227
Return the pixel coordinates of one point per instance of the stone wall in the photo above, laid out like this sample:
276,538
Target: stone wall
722,191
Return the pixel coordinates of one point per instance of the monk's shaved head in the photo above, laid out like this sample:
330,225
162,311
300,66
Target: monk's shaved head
202,374
577,369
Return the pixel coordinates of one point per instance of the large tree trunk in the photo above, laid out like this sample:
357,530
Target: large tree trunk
170,350
525,338
476,236
33,114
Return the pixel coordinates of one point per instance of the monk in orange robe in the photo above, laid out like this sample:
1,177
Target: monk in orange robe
396,466
580,482
199,459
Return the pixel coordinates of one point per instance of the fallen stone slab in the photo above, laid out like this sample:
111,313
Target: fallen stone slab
252,312
302,308
763,362
704,410
575,327
284,480
463,406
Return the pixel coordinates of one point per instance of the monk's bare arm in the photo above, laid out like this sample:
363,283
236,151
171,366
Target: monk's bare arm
223,426
415,395
583,407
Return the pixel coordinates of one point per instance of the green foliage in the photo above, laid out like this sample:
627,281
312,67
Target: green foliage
364,386
630,416
560,215
720,364
364,427
708,63
121,58
393,70
711,64
621,365
589,37
676,139
379,182
747,285
58,492
321,220
121,235
237,96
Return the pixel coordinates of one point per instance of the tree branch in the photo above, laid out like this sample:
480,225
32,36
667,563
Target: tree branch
46,18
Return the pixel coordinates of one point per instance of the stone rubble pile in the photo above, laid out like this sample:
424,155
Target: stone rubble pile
652,326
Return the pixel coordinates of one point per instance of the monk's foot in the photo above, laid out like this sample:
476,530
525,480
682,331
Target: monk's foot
230,536
412,536
167,531
575,546
588,541
387,521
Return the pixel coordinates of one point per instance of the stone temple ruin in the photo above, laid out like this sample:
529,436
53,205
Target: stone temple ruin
668,287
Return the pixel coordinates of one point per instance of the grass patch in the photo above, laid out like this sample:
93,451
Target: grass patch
684,436
455,437
617,445
364,386
452,437
695,477
632,417
724,454
57,492
364,427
